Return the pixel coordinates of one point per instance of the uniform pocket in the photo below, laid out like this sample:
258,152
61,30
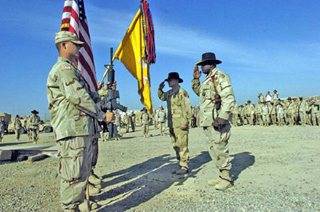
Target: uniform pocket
71,159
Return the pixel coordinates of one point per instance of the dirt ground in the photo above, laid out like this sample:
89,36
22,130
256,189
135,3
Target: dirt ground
274,169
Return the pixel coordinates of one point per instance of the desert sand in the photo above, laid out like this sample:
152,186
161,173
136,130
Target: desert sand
274,169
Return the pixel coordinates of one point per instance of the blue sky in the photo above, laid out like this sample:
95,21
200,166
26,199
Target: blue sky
263,45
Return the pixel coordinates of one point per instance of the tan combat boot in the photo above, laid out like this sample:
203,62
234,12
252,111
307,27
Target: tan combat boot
226,181
93,190
182,171
93,179
87,206
215,181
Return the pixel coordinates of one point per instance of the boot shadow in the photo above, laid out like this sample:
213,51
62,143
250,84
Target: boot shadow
240,162
141,182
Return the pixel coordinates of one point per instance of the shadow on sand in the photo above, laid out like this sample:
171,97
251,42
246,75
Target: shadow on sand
240,162
137,184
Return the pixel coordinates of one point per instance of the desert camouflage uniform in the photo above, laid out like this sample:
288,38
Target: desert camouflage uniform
291,113
273,113
280,115
265,114
235,114
250,113
179,114
145,119
162,120
17,127
258,112
73,118
218,149
303,107
1,129
34,125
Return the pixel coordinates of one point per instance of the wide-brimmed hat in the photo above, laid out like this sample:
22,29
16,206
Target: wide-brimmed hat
34,112
208,57
65,36
174,75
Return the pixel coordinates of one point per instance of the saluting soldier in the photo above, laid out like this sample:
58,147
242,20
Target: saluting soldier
179,115
216,103
74,118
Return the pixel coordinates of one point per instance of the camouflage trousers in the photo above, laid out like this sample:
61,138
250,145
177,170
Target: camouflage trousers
315,117
280,119
274,119
35,133
75,164
145,130
162,125
1,136
17,132
179,139
303,118
266,120
235,119
218,149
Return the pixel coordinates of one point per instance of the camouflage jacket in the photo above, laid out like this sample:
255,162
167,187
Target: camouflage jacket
161,116
179,108
206,92
34,121
17,124
145,117
72,110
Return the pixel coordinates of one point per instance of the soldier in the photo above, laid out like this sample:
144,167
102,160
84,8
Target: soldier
179,114
2,128
34,125
303,107
74,117
198,116
250,112
291,112
275,97
117,123
280,114
132,120
258,113
145,119
216,104
155,120
260,98
235,115
162,119
17,127
265,114
268,96
273,112
126,121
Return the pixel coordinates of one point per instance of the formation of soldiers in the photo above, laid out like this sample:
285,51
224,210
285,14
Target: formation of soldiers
272,110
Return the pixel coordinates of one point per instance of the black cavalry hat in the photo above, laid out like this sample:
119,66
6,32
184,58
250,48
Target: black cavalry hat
174,75
209,56
34,112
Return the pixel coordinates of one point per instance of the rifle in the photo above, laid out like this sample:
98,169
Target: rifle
109,101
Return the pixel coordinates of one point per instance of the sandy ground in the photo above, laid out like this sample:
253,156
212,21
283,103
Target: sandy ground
274,169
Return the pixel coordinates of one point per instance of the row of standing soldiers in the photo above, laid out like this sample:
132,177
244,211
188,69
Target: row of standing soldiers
292,111
31,125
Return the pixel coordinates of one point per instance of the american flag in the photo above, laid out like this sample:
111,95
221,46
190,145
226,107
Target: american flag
74,20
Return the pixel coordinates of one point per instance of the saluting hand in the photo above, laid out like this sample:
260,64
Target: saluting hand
196,72
161,86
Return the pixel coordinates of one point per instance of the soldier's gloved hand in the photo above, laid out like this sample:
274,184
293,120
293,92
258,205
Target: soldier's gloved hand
196,72
95,96
161,86
219,123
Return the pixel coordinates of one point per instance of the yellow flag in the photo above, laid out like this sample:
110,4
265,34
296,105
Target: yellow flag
131,52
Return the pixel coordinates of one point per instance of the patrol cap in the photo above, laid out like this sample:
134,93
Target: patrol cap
65,36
